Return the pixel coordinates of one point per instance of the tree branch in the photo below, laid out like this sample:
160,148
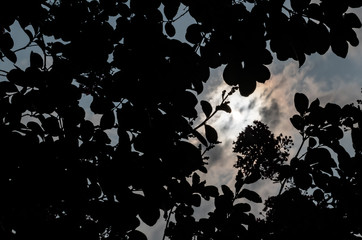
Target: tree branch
167,222
296,156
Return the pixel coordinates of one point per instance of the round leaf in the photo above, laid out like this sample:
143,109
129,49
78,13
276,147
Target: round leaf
301,102
233,73
170,29
36,60
193,34
318,195
107,120
297,122
211,134
206,107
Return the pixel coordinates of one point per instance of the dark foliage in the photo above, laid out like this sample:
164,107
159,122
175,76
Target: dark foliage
65,177
261,153
323,193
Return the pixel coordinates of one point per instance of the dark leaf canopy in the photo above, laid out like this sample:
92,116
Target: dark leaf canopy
98,103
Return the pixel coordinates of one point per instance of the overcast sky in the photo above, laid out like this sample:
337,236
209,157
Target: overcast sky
328,77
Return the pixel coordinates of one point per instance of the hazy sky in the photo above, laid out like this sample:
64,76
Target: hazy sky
328,77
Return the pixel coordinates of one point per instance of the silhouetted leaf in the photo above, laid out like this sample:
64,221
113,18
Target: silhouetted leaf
247,82
299,5
250,195
352,20
29,33
252,178
211,134
352,38
36,61
242,207
318,195
171,9
227,192
35,127
51,125
302,179
223,203
101,105
357,139
195,179
301,103
312,142
16,76
206,108
239,182
86,130
107,120
211,191
170,29
339,44
193,33
224,107
10,55
7,87
149,214
297,122
195,200
233,73
314,105
6,41
301,58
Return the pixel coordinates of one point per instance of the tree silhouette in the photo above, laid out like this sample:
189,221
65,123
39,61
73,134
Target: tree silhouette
323,193
62,175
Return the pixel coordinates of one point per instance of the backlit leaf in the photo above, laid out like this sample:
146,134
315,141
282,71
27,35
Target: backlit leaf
227,192
107,120
232,73
149,214
193,33
301,102
242,207
36,60
224,107
211,134
297,122
206,107
250,195
170,29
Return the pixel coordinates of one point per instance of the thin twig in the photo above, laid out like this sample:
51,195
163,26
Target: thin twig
27,45
167,222
296,156
282,186
216,109
183,14
207,119
300,147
